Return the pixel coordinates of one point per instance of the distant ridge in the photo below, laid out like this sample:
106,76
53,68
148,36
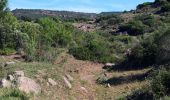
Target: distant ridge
38,13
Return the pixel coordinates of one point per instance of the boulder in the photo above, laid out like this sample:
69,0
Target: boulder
69,77
5,83
51,82
18,74
68,84
28,85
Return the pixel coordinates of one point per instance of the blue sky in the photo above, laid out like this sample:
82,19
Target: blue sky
94,6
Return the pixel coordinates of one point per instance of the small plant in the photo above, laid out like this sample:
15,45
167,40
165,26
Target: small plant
101,79
7,51
160,82
12,94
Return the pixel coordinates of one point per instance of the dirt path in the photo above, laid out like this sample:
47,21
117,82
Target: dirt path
87,72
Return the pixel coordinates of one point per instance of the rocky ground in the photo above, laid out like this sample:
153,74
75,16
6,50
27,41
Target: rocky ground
69,79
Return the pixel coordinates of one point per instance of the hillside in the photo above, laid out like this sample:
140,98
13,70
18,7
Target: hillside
63,55
38,13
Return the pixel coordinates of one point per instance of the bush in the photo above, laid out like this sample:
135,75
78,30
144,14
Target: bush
7,51
160,82
149,20
140,6
92,47
134,28
141,94
55,34
7,31
12,94
161,2
163,55
109,19
166,8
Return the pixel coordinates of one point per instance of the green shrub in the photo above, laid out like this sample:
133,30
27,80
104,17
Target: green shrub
55,34
7,51
141,94
140,6
109,19
163,47
160,82
47,55
12,94
166,8
135,27
8,26
92,47
101,79
149,20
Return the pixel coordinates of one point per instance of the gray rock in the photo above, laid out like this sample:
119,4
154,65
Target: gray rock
109,64
18,74
10,77
51,82
108,85
69,77
84,89
5,83
68,84
28,85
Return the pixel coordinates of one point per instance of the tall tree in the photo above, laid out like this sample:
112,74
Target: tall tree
3,5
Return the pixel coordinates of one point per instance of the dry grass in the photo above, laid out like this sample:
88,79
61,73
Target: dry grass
84,73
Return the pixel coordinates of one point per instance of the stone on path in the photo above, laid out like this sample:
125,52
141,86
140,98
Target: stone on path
51,82
69,77
68,84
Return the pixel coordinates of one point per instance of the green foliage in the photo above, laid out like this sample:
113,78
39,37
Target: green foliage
7,51
140,6
8,28
164,48
106,20
101,79
161,2
12,94
55,34
3,5
149,20
92,47
166,8
160,82
134,27
141,94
